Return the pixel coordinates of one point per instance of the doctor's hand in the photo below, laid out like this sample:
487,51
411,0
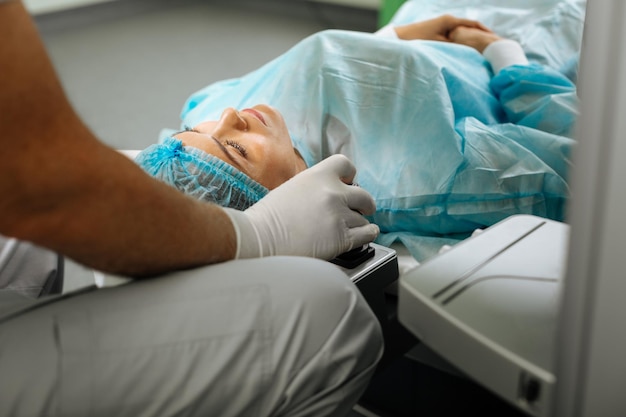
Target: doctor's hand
437,29
315,214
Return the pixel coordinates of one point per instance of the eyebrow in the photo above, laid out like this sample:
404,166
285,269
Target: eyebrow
185,129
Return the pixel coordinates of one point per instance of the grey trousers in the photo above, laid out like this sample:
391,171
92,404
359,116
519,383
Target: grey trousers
280,336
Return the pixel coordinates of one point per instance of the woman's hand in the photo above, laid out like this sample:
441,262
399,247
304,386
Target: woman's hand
473,37
438,29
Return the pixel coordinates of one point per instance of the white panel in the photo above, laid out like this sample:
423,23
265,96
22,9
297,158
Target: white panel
591,373
47,6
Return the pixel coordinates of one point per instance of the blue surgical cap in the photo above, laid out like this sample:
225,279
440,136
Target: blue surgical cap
200,175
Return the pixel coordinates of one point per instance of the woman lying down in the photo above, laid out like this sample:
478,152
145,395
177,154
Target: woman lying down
450,128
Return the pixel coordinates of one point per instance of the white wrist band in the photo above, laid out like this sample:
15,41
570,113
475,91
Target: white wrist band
504,53
387,31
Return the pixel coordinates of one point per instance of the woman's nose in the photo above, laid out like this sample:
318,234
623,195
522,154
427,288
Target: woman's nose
231,119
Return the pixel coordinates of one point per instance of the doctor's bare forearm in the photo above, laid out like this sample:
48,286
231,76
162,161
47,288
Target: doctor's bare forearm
63,189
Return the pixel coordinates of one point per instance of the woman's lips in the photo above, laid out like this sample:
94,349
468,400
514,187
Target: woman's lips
255,114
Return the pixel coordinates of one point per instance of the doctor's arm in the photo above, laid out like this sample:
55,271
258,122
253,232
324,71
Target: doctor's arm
63,189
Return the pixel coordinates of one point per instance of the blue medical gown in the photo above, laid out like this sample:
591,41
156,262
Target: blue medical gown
443,146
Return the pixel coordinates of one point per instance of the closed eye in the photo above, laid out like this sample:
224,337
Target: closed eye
237,146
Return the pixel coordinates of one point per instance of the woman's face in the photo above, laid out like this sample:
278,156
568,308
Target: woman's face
255,141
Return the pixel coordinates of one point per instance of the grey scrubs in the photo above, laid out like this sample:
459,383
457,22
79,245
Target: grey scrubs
281,336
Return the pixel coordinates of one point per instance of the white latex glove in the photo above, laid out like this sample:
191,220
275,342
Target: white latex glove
315,214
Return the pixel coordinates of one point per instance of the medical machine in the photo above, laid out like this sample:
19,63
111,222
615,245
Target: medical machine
534,309
373,268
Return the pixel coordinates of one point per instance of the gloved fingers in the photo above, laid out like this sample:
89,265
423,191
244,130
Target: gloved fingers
360,200
361,235
339,165
354,219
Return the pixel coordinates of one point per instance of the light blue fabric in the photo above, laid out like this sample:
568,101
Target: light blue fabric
443,148
199,174
550,31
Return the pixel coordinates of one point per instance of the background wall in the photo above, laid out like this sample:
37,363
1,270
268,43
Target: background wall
46,6
367,4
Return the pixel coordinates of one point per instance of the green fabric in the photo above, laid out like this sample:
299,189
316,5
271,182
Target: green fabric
388,8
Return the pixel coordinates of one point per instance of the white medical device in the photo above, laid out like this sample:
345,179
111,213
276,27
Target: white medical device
489,307
532,309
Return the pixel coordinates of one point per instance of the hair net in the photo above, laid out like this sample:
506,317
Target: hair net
200,175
